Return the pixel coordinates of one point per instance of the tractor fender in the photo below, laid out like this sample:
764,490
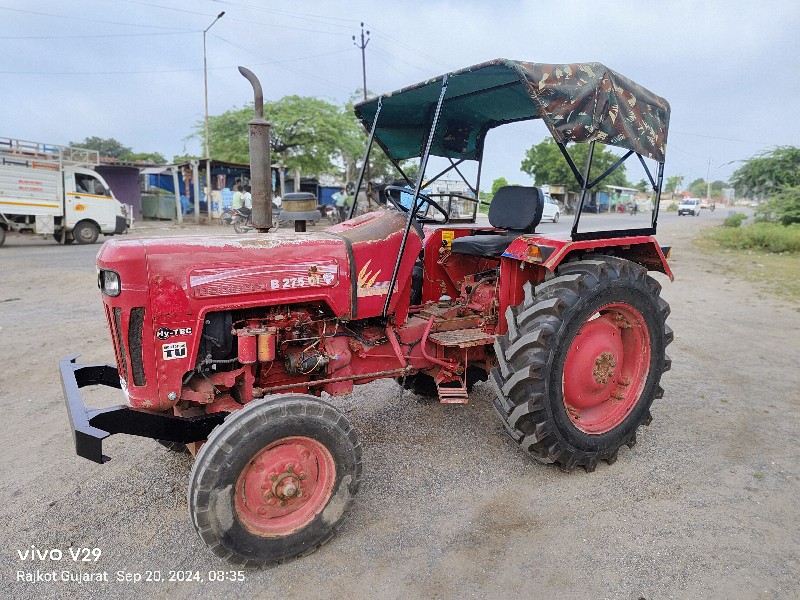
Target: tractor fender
551,252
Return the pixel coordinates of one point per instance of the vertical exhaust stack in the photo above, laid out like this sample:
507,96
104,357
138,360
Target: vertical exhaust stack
260,167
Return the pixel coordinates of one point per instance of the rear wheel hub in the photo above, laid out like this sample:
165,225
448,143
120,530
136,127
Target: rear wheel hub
606,368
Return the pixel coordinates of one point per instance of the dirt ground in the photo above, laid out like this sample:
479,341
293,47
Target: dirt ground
705,506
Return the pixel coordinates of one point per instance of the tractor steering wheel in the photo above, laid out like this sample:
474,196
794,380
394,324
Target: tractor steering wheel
405,190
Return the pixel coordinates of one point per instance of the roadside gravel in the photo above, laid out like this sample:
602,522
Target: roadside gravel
705,506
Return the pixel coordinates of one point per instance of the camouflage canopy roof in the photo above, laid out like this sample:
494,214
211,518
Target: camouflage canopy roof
578,102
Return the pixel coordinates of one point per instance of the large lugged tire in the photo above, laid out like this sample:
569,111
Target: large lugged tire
275,480
581,362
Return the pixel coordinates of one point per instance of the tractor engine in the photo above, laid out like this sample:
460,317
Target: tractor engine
242,354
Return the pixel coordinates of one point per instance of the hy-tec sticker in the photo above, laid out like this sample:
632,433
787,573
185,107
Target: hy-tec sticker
174,350
164,333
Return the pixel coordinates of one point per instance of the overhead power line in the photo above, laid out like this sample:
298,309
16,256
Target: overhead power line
151,71
322,19
83,37
87,20
714,137
181,10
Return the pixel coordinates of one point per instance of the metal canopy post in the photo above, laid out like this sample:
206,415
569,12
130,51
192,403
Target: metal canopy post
657,200
365,162
423,164
584,185
571,163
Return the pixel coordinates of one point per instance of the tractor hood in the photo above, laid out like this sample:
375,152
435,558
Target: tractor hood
189,276
347,267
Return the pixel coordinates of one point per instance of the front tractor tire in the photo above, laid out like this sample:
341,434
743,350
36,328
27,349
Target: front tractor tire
582,361
275,480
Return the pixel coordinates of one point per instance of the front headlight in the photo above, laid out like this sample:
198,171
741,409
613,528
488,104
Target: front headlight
109,283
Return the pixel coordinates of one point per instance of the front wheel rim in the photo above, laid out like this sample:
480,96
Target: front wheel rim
606,368
284,486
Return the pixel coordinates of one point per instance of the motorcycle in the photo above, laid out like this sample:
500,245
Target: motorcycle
242,219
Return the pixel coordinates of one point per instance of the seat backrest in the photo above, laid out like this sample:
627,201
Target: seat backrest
516,208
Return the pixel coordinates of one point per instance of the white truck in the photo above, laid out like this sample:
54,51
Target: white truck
52,190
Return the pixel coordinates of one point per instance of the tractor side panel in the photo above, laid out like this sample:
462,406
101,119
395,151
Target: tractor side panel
374,239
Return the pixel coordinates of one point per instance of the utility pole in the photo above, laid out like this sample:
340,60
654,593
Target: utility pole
363,47
708,181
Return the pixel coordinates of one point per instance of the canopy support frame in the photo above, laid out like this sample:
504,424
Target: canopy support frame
417,188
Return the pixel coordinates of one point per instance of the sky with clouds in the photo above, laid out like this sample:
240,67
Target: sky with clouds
133,69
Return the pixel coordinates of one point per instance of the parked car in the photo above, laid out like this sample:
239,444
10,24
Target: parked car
551,209
689,206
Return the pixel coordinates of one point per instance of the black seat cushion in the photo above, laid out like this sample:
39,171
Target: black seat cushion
515,208
487,246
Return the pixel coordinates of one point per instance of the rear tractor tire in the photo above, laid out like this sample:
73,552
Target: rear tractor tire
582,361
275,480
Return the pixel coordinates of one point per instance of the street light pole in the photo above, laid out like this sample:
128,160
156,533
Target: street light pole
205,76
205,95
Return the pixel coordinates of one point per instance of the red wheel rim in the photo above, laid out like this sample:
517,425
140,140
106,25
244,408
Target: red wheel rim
606,368
284,486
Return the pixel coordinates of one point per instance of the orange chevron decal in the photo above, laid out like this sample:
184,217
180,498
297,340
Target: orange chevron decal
367,278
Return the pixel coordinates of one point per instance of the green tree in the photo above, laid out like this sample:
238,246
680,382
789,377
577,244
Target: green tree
354,142
643,186
768,173
180,159
673,183
498,183
106,147
776,176
545,162
305,133
149,157
698,188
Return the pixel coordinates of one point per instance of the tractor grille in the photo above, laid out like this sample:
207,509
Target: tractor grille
135,345
122,363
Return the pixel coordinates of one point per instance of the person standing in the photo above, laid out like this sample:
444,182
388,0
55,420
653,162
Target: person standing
340,201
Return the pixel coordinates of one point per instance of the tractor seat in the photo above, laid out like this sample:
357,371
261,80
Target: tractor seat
514,208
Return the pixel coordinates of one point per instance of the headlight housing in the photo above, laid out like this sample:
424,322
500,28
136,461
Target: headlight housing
108,282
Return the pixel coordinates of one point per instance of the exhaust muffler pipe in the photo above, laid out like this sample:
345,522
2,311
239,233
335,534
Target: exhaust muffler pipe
260,166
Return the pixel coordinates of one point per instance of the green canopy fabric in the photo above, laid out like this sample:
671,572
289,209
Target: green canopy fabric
580,102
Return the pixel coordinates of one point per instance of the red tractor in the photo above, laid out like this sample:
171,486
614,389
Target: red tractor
226,344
